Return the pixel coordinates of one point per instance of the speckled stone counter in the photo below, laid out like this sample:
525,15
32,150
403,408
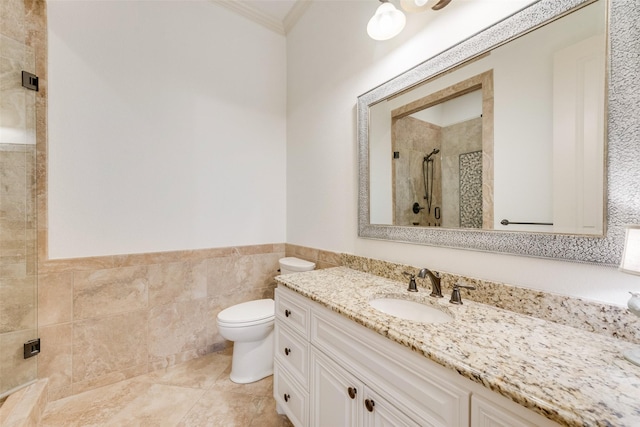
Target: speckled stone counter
571,376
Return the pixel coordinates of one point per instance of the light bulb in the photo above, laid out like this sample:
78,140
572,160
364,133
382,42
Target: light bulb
386,23
417,6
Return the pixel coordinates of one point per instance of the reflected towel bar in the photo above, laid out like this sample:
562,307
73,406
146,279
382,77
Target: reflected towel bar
507,222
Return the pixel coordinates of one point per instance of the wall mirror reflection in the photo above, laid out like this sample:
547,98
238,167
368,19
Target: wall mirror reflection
513,140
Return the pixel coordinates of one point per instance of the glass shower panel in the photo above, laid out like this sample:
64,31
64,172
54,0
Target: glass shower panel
18,250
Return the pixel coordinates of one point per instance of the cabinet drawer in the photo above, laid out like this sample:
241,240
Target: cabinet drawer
293,353
293,311
290,396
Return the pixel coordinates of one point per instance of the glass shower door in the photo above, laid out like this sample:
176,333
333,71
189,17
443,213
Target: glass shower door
18,249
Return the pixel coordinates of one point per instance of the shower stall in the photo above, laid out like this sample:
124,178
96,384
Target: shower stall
18,230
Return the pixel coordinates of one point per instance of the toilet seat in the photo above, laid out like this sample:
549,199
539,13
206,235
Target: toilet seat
248,314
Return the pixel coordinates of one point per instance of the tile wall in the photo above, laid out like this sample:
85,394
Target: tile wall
105,319
110,318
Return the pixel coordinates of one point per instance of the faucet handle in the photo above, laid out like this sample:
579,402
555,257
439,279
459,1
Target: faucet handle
455,295
413,287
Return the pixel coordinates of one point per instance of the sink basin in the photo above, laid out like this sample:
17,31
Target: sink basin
410,310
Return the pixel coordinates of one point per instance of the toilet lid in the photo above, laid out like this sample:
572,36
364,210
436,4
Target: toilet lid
250,311
296,264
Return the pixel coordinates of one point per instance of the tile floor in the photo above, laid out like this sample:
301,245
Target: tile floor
194,393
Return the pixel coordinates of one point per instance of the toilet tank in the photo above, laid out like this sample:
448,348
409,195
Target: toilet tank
290,265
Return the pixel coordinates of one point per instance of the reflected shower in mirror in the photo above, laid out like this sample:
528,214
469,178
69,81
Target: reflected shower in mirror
519,133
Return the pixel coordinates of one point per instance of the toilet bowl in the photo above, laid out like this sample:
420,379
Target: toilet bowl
250,326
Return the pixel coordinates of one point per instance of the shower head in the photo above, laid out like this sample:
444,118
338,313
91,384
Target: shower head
428,156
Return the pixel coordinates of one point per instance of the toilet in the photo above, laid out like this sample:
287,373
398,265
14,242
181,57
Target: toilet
250,326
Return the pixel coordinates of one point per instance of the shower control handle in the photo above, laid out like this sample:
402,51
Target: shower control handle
417,208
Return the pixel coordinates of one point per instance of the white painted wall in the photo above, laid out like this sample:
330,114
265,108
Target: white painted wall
167,128
330,61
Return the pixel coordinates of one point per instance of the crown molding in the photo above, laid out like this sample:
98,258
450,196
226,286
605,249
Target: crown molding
252,14
261,18
294,15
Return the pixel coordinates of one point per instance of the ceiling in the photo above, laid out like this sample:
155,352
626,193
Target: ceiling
277,15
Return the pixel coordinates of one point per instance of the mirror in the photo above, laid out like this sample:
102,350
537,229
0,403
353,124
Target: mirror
377,215
512,141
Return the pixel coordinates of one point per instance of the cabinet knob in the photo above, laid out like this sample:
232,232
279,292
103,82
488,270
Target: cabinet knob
287,313
286,397
287,351
352,392
369,405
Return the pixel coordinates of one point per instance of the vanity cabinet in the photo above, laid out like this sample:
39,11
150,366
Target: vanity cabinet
331,371
351,403
291,356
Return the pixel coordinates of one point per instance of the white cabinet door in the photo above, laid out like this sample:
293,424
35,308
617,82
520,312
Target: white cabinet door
291,397
380,413
335,394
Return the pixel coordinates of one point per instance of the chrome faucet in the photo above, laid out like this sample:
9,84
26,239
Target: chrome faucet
436,290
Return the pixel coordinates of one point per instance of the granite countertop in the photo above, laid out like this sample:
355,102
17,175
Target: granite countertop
571,376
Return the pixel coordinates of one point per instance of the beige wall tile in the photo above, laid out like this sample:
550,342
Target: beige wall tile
111,291
14,368
178,281
177,332
73,264
12,22
302,252
105,346
55,298
329,258
222,275
238,274
55,358
257,249
124,320
172,256
151,258
17,304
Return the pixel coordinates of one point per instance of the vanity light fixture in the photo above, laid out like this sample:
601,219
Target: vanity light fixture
389,21
631,264
413,6
386,23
